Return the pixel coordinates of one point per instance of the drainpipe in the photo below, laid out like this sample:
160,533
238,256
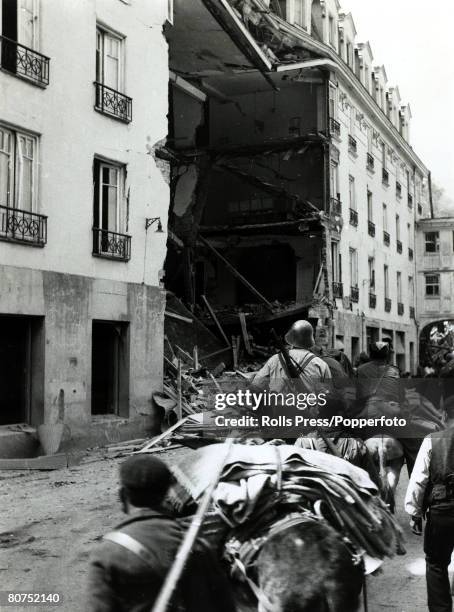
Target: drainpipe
431,202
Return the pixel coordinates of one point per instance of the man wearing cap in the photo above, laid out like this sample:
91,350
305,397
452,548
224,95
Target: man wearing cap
128,568
312,369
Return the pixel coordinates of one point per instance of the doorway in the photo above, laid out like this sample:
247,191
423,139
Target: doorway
110,368
21,370
354,349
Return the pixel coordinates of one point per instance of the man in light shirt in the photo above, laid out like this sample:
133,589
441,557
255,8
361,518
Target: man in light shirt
431,492
314,372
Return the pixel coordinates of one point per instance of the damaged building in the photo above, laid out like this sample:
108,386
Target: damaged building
294,189
81,307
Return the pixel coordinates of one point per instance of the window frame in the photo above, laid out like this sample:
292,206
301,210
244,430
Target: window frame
371,268
436,243
15,166
120,218
370,206
386,280
102,32
434,285
353,264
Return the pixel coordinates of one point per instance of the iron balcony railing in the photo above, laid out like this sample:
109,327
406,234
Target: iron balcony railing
336,206
353,217
111,245
354,294
398,190
352,145
386,238
338,290
388,305
370,162
410,201
400,308
24,62
410,254
371,228
385,176
113,103
23,226
334,127
412,312
372,300
399,246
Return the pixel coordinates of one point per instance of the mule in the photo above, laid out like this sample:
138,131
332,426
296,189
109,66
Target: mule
389,456
308,568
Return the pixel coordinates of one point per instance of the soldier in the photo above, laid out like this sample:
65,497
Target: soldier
128,568
431,491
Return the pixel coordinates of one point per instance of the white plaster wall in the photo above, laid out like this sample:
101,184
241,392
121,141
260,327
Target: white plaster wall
72,133
359,238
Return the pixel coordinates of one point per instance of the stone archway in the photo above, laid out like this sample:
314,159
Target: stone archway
436,339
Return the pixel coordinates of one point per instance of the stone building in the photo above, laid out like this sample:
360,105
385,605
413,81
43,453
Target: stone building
291,160
435,283
82,104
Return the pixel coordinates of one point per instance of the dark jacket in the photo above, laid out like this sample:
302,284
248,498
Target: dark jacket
120,581
441,472
379,380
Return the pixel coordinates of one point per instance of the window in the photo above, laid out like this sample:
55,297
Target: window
366,78
370,210
353,267
18,170
352,120
108,212
170,11
334,180
432,285
432,241
397,227
336,262
332,102
411,290
350,54
399,286
299,17
332,31
371,263
109,59
386,280
352,192
385,218
19,20
383,155
409,236
370,133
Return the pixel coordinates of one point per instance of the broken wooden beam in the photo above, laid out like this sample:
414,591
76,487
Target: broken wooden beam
237,274
174,315
244,332
215,319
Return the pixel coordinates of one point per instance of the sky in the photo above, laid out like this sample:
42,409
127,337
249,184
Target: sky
414,40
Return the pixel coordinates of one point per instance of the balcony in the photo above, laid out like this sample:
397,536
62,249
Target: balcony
399,246
111,245
336,206
385,177
23,226
370,162
354,294
23,62
372,300
352,145
400,308
371,228
410,201
113,103
412,312
338,290
334,128
410,254
398,190
388,305
353,217
386,239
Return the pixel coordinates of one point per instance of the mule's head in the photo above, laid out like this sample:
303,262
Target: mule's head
307,568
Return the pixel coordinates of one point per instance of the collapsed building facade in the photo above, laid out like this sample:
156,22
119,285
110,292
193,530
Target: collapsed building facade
294,188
